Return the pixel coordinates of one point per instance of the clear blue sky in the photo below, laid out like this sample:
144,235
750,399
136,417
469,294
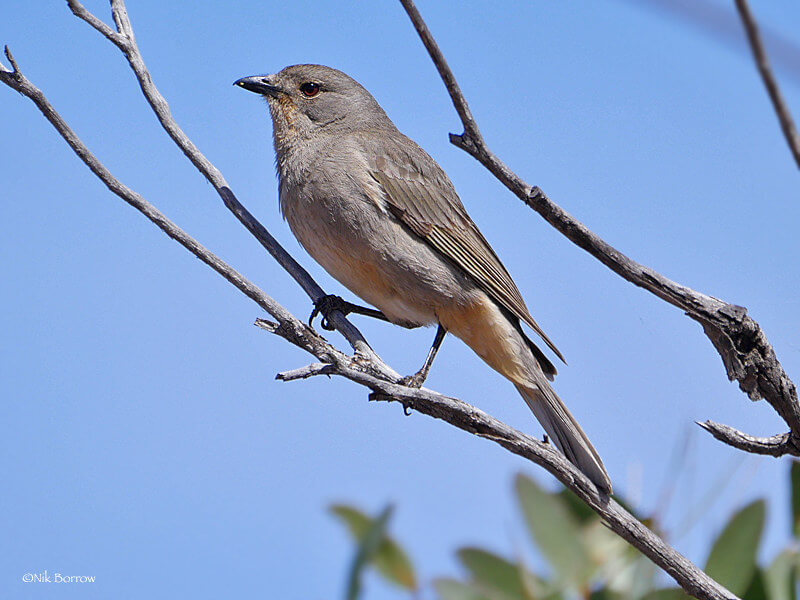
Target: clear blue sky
144,439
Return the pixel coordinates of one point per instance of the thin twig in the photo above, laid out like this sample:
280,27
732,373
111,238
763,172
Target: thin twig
358,369
306,372
291,328
126,42
745,351
468,418
10,57
451,410
266,325
79,11
776,445
760,56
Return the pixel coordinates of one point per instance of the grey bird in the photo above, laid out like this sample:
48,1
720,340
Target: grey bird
382,217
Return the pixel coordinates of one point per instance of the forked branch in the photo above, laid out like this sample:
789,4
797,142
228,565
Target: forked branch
746,353
364,369
124,39
334,362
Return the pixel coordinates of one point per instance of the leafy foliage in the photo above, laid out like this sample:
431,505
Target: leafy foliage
557,531
732,561
374,547
585,559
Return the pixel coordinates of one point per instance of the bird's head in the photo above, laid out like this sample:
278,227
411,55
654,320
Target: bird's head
307,99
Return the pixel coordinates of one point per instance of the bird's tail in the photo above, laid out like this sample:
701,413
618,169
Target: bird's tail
565,432
496,336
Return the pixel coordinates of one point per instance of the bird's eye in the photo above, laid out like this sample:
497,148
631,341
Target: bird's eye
310,89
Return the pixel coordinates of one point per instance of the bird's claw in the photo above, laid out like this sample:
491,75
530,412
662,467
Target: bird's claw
326,305
413,381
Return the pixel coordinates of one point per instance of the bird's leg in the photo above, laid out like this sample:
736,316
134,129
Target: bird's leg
417,379
329,303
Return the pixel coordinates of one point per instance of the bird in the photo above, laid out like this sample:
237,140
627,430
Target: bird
383,218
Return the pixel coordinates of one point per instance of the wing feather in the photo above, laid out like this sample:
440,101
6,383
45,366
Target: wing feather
422,197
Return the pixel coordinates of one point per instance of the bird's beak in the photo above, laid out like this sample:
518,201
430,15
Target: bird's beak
258,84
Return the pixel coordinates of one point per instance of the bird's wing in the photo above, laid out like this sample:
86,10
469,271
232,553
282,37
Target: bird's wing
421,195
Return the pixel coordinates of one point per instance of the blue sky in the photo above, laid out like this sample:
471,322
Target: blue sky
145,440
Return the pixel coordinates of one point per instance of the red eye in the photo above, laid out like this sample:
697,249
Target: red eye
310,89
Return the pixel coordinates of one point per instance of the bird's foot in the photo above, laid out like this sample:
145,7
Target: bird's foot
325,306
416,380
330,303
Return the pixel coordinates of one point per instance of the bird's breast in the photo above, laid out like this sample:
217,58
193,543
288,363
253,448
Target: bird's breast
369,251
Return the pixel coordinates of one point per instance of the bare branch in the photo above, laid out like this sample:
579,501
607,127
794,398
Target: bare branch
473,420
10,57
290,328
360,369
305,372
160,107
459,101
120,15
776,445
451,410
760,56
80,11
745,351
266,325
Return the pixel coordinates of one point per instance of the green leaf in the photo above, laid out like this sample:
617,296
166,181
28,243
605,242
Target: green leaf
795,480
451,589
635,577
667,594
556,532
606,594
366,550
756,591
779,577
389,558
732,561
621,566
356,521
495,575
579,509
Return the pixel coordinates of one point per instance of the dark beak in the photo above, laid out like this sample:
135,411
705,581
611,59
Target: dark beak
258,84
